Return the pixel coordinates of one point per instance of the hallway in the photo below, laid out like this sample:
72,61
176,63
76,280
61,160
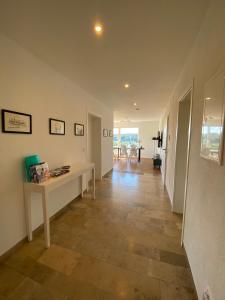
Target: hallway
123,245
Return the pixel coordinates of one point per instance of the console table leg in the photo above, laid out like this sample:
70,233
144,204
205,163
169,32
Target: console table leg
87,182
27,200
93,178
46,219
82,186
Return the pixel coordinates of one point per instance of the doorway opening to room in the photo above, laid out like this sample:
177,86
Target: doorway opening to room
182,155
127,144
164,152
94,143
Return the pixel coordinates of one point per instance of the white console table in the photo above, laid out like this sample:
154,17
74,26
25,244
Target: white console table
76,170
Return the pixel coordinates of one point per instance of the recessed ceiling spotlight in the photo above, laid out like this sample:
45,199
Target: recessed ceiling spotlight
98,28
208,98
126,85
135,104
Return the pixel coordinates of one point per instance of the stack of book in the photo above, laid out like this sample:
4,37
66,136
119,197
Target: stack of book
60,171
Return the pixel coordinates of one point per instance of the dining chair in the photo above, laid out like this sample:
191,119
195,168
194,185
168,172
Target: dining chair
115,154
124,152
133,152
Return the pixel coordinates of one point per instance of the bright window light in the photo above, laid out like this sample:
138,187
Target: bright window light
115,130
126,136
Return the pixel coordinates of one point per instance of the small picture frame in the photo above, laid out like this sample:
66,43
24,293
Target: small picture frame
16,122
78,129
110,133
105,132
56,127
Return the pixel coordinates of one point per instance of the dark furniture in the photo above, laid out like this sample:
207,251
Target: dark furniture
157,162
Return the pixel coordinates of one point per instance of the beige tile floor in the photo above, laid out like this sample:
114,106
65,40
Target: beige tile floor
123,245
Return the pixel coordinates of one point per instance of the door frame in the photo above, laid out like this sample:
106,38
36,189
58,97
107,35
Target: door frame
87,137
190,89
166,150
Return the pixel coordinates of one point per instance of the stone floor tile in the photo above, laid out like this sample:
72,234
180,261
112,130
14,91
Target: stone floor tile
21,263
176,275
173,258
173,292
9,280
34,249
28,267
76,289
142,250
121,282
60,259
31,290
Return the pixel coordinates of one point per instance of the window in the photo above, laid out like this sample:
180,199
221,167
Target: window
129,136
125,136
211,138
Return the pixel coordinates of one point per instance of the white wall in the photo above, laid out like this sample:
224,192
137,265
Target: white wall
30,86
147,129
204,235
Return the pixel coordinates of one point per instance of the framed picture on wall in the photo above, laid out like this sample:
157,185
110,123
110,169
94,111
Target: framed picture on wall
16,122
105,132
110,133
56,127
79,129
212,137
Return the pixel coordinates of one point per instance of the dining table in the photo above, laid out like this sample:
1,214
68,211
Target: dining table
118,148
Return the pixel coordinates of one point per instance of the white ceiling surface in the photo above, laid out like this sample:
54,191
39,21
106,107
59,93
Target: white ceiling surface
144,43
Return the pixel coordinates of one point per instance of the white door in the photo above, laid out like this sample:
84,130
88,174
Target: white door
164,149
94,143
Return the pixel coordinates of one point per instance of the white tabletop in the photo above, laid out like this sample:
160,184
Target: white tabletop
76,170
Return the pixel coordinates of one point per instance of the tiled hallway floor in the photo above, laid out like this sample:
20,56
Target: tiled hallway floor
123,245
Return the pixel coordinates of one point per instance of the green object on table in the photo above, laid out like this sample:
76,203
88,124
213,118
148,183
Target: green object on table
29,161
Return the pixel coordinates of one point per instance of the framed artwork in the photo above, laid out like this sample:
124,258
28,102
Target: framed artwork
16,122
79,129
105,132
110,133
213,118
56,127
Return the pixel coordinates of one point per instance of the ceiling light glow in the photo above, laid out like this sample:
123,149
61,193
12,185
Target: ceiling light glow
98,28
135,104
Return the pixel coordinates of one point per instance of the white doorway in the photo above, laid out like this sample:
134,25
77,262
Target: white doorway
94,143
164,152
182,155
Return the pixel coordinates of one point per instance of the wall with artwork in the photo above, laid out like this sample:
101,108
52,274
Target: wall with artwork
31,87
204,233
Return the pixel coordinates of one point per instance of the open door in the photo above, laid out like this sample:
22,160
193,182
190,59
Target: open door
182,156
164,151
182,153
94,143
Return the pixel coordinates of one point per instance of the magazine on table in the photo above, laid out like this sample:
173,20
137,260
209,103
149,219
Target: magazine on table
39,172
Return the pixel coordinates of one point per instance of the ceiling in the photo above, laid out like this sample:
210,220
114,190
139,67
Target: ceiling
145,43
